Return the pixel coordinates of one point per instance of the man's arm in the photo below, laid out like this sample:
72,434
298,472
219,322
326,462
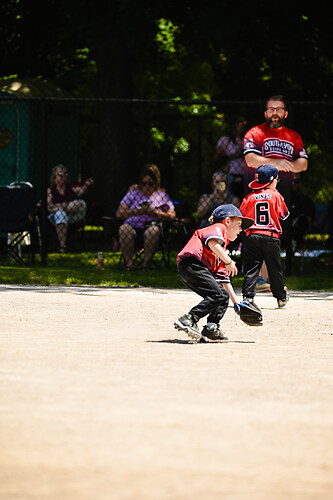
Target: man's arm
300,165
254,160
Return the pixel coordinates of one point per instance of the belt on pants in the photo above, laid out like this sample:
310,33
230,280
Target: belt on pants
266,233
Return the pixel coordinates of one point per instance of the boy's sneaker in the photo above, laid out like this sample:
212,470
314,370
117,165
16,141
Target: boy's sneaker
188,324
283,302
262,285
250,300
213,333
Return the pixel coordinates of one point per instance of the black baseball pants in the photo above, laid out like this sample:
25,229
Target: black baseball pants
256,249
201,280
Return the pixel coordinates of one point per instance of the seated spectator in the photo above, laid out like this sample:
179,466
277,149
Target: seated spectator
64,203
220,195
142,208
229,157
302,211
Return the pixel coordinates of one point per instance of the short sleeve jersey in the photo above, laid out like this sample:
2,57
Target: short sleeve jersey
283,143
197,246
266,207
280,143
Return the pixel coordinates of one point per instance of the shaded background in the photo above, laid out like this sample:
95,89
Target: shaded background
104,90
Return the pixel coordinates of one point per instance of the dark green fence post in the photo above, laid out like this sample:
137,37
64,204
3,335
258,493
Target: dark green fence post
43,175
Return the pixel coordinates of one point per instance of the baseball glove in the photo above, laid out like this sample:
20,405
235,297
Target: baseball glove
249,313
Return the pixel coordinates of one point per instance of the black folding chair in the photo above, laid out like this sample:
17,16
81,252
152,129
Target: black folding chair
170,229
19,220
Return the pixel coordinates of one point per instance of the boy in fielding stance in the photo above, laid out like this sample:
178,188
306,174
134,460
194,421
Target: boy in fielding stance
266,206
203,263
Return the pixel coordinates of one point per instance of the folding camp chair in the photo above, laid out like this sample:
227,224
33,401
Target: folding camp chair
19,220
168,230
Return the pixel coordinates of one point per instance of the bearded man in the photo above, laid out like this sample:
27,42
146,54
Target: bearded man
274,144
279,146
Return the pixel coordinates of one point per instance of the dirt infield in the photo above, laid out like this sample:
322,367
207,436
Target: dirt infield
101,399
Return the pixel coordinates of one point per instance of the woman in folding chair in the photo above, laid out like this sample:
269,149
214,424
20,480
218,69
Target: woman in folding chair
142,208
64,203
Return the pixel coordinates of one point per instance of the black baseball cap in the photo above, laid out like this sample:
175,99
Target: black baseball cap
229,210
264,175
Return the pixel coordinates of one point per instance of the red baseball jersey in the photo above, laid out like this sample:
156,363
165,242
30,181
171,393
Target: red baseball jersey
270,142
197,246
266,207
282,143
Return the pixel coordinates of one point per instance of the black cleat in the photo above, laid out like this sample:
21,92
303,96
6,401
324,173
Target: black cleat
188,324
213,333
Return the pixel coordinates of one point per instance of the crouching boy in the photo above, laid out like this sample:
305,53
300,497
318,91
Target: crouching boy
202,262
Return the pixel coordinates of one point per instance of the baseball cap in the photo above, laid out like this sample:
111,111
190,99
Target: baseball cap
264,175
229,210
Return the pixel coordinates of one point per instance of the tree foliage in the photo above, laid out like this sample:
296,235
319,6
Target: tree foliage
216,50
166,49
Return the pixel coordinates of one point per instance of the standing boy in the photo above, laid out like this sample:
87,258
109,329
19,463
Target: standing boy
266,206
202,263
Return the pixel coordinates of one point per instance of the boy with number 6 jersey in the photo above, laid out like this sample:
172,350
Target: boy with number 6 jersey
266,206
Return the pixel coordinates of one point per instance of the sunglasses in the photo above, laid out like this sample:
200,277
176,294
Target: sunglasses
147,183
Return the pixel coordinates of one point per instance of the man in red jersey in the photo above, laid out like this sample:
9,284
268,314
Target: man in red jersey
273,143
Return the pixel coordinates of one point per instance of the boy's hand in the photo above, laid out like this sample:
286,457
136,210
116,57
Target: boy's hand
231,269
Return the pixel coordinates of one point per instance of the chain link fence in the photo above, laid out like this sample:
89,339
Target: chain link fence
102,145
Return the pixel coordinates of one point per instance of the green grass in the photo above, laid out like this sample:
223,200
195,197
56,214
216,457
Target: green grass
84,276
79,269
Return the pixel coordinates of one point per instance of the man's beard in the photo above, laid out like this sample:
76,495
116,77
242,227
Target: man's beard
275,123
